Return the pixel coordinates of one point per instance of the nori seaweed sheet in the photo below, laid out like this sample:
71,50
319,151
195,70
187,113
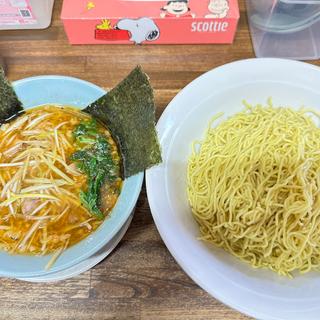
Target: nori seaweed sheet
9,102
128,111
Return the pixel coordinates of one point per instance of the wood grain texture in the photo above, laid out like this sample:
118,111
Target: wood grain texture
140,280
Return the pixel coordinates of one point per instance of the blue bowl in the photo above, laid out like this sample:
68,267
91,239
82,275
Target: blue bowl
61,90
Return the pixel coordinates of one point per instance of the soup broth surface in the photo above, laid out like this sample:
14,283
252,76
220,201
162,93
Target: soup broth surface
41,210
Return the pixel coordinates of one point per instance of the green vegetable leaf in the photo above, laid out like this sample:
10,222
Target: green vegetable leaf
96,161
86,131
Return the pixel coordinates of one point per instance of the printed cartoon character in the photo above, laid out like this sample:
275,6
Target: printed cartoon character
218,8
90,5
105,31
136,30
143,29
177,9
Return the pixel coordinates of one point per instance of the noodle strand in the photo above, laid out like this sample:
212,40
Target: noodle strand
254,187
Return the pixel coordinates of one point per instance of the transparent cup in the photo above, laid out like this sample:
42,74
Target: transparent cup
285,28
25,14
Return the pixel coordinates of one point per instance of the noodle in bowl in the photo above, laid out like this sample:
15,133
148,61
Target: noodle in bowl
41,210
254,188
64,91
258,292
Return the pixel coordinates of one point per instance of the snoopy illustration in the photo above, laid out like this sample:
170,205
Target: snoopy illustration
218,9
143,29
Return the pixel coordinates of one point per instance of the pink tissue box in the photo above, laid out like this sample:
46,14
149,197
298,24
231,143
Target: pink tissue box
150,21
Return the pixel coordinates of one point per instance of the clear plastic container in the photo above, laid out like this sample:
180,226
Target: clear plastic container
285,28
25,14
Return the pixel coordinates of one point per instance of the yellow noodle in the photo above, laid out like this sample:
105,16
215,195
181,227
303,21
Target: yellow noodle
254,188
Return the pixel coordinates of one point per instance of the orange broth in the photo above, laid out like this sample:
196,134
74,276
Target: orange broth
40,208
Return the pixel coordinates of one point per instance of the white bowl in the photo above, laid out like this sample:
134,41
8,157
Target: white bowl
258,293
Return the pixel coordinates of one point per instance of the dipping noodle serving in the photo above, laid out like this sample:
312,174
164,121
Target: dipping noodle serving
254,187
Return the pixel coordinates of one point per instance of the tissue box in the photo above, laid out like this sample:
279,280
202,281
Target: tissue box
150,21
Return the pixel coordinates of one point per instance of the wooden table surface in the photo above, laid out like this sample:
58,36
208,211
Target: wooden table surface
140,279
